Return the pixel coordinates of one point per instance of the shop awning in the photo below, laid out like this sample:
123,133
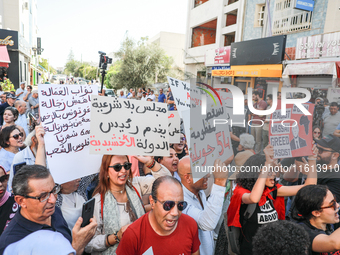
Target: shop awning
254,71
4,58
315,68
321,68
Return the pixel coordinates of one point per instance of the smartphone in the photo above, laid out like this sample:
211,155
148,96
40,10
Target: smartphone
17,167
87,212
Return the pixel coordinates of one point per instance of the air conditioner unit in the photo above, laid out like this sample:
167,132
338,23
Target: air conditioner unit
26,5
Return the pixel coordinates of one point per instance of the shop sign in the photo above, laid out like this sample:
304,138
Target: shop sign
305,5
262,51
222,55
222,72
318,46
9,38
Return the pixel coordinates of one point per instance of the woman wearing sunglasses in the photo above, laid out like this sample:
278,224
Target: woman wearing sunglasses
8,206
256,185
117,205
317,133
315,210
11,140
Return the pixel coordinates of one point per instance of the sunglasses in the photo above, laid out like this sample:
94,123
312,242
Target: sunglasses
45,196
183,138
315,132
168,205
321,150
118,167
16,136
333,205
4,178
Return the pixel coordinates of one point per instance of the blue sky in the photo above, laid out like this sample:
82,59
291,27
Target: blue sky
89,26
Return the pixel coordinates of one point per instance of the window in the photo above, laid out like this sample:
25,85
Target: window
204,34
286,19
259,15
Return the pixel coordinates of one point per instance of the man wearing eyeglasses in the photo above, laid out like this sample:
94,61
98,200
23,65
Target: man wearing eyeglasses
35,191
205,212
164,230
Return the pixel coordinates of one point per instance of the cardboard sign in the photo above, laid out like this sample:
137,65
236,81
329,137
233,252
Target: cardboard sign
174,127
206,141
291,134
128,127
65,115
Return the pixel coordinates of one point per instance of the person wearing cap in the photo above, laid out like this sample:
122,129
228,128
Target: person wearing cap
331,120
21,92
10,100
34,102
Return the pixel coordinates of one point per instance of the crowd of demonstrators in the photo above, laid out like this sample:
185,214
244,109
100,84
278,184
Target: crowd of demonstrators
155,205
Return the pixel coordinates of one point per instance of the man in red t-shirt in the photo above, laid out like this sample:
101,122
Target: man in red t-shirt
256,124
163,230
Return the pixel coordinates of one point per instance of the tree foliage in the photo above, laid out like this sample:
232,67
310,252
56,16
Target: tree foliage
139,64
78,69
44,63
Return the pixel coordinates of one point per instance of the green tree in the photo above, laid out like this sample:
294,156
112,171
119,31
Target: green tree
44,63
140,64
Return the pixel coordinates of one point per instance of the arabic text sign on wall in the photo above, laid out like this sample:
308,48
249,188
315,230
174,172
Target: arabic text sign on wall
174,127
65,115
317,46
222,55
289,138
128,127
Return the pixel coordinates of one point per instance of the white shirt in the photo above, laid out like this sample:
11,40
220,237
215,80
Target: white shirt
152,96
143,98
22,122
26,156
206,218
21,97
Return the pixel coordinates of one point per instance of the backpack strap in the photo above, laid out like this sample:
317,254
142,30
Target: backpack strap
102,204
249,212
138,196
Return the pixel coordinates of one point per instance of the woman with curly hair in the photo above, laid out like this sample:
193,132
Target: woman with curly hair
117,204
256,185
315,210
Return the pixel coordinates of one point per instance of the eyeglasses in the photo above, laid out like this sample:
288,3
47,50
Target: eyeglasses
4,178
45,196
315,132
168,205
321,150
118,167
16,136
183,138
332,204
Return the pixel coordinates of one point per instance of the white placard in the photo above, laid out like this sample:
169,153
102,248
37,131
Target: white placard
128,127
65,112
174,127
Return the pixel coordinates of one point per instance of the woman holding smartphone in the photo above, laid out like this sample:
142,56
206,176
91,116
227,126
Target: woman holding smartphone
117,204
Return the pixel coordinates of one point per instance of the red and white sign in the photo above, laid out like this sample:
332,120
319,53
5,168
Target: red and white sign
222,55
317,46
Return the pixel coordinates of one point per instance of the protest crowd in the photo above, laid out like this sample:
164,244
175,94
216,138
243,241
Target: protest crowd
153,204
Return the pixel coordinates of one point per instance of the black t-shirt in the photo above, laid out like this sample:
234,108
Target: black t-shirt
7,212
182,154
314,232
262,215
332,180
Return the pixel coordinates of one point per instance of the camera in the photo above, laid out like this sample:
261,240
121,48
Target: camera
101,53
104,60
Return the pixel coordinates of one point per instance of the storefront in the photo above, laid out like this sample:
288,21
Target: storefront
19,54
256,64
316,66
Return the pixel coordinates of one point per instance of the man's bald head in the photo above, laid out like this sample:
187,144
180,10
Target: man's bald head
184,166
20,106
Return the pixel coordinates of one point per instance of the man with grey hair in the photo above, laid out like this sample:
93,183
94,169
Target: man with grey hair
34,153
21,106
34,102
35,191
21,92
